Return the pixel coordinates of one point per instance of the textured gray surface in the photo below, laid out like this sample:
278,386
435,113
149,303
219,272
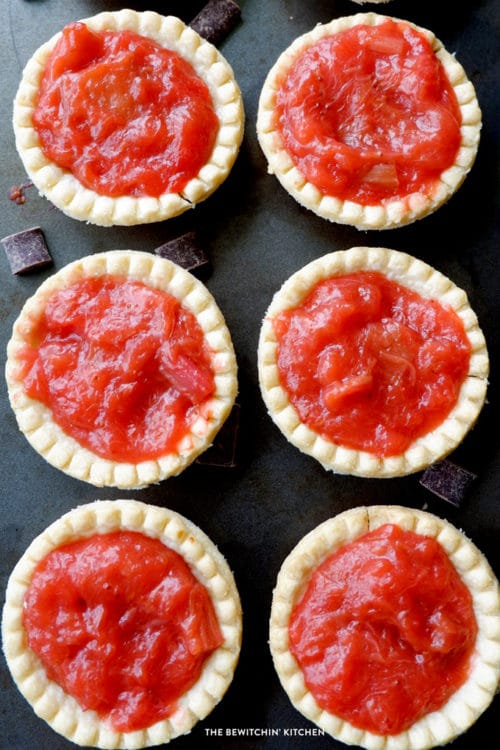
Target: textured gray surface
256,236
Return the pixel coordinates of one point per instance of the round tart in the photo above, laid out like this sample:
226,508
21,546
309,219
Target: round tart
173,126
385,629
121,369
369,121
136,599
372,362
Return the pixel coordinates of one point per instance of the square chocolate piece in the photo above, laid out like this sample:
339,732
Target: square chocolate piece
223,452
186,251
27,251
448,481
216,20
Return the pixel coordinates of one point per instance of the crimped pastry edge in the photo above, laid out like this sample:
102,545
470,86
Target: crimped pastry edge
64,452
469,701
67,193
394,213
418,276
60,710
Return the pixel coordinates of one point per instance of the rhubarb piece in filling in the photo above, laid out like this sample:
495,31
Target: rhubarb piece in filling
365,113
121,369
372,362
384,628
122,624
127,118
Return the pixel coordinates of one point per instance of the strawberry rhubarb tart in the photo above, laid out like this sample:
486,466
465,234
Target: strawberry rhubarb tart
369,121
372,362
122,625
127,118
121,369
385,629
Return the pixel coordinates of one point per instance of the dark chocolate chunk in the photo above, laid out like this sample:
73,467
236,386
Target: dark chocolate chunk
186,251
27,251
223,452
216,20
448,481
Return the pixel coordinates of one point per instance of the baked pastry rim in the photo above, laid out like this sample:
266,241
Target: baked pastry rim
63,451
393,213
468,702
427,281
66,192
49,700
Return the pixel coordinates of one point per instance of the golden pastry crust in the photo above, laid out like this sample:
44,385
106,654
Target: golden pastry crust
429,283
64,452
468,702
67,193
49,700
390,214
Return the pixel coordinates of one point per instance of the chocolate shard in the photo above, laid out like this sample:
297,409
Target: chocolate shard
27,251
216,19
448,481
223,451
186,251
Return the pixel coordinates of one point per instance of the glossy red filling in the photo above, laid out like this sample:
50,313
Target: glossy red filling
123,114
384,631
123,367
368,114
370,364
122,624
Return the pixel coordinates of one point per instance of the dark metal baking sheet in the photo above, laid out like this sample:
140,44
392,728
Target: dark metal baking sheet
257,236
